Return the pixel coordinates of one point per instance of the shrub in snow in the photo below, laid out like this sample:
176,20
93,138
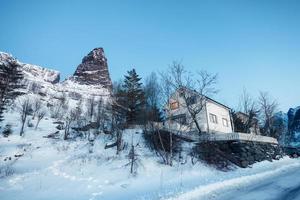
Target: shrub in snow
7,130
6,170
29,124
163,144
60,127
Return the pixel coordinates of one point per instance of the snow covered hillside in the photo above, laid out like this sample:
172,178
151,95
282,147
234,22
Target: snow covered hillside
34,167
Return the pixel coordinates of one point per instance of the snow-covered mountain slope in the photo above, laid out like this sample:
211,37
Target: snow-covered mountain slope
37,72
33,72
45,82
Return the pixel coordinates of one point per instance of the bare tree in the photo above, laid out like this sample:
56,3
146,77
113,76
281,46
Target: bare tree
194,92
267,108
166,91
249,106
192,95
24,107
118,115
79,112
152,89
152,95
101,115
40,115
36,106
70,118
118,123
60,107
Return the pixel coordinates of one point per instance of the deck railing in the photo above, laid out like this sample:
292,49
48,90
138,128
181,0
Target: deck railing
184,132
238,137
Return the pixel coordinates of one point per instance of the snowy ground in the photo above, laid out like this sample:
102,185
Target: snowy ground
280,183
57,169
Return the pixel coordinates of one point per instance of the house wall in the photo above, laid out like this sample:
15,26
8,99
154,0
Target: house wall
190,126
221,113
202,121
202,118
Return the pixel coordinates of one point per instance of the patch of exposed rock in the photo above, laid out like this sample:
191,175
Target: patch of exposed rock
93,70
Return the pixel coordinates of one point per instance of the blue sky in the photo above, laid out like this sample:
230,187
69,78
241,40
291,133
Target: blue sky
251,44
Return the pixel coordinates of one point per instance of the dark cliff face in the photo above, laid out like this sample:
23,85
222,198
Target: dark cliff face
93,70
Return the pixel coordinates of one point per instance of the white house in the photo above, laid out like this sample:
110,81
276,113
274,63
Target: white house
214,117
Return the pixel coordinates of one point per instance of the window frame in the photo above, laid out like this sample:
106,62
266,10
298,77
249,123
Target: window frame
181,119
213,118
192,100
174,107
226,124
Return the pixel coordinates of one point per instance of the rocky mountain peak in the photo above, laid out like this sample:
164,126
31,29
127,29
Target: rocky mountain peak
93,70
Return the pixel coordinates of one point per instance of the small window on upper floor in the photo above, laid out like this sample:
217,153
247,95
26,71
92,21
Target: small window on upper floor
191,100
213,118
225,122
174,105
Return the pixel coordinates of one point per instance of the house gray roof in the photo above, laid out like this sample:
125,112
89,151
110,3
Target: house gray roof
218,102
210,99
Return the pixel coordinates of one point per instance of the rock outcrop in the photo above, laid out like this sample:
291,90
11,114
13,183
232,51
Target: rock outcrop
93,70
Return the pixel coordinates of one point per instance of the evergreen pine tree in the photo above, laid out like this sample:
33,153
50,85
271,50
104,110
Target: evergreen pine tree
134,97
10,80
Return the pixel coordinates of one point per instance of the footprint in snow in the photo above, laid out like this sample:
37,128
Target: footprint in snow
124,185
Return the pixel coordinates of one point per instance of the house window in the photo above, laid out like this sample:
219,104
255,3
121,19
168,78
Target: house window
225,122
181,119
213,118
174,105
191,100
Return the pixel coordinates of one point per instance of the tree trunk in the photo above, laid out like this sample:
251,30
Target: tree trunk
197,124
66,132
22,128
171,149
162,146
132,160
119,141
37,124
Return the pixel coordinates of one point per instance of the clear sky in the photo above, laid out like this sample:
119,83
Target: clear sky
249,43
